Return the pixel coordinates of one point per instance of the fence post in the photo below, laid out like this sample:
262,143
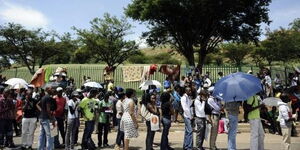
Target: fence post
16,72
286,77
80,75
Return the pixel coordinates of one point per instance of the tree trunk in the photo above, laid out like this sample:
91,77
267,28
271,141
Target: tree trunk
202,56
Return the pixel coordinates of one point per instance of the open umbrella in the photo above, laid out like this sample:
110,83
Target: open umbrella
237,87
14,81
51,85
145,85
19,86
272,101
93,85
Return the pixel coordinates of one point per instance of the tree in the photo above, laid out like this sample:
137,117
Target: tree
295,25
106,40
256,56
281,45
4,63
67,47
198,26
28,47
236,52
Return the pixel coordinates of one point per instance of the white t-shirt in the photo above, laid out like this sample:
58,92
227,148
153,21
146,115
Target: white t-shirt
119,108
72,104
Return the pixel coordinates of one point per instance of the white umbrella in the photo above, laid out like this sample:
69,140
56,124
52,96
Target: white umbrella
93,84
271,101
14,81
145,85
19,86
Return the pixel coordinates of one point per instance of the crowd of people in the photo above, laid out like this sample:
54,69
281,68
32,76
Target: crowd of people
58,110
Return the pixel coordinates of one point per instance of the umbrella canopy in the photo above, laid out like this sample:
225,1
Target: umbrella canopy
51,85
272,101
237,87
145,85
19,86
93,84
14,81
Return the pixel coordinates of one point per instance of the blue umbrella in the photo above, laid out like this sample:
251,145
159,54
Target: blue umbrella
237,87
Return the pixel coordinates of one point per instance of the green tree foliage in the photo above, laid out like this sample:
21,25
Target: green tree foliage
28,47
295,25
236,52
4,63
106,40
199,25
162,58
67,47
281,45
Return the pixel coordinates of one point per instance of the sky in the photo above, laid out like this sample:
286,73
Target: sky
61,15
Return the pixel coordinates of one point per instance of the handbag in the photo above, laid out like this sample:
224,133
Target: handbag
154,122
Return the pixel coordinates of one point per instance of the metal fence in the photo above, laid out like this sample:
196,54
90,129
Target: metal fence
96,73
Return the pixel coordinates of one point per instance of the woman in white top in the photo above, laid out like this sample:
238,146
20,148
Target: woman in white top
129,122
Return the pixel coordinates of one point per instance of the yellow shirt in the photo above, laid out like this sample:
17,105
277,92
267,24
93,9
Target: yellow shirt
255,114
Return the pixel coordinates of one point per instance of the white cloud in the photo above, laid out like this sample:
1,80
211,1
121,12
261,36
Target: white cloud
28,17
142,43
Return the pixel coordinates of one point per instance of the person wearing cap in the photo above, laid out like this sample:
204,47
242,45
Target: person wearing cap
59,114
216,106
87,106
71,122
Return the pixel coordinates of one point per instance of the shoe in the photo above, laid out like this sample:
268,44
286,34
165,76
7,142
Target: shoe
12,145
105,145
117,147
59,147
23,148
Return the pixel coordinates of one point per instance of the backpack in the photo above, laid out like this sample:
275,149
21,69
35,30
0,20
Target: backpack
207,108
145,113
247,107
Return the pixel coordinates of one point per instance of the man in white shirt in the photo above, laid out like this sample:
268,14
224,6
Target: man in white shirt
216,106
200,117
72,124
186,104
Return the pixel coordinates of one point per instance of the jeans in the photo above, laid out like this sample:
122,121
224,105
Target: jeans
257,135
188,135
233,123
164,137
120,135
103,130
6,131
70,134
201,126
149,137
61,130
45,136
28,128
87,134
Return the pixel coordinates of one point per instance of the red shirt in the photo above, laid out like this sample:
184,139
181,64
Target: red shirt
61,103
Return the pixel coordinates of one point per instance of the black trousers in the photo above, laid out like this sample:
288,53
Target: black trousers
150,136
61,129
6,131
103,131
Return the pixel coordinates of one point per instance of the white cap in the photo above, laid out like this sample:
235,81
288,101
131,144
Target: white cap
59,89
